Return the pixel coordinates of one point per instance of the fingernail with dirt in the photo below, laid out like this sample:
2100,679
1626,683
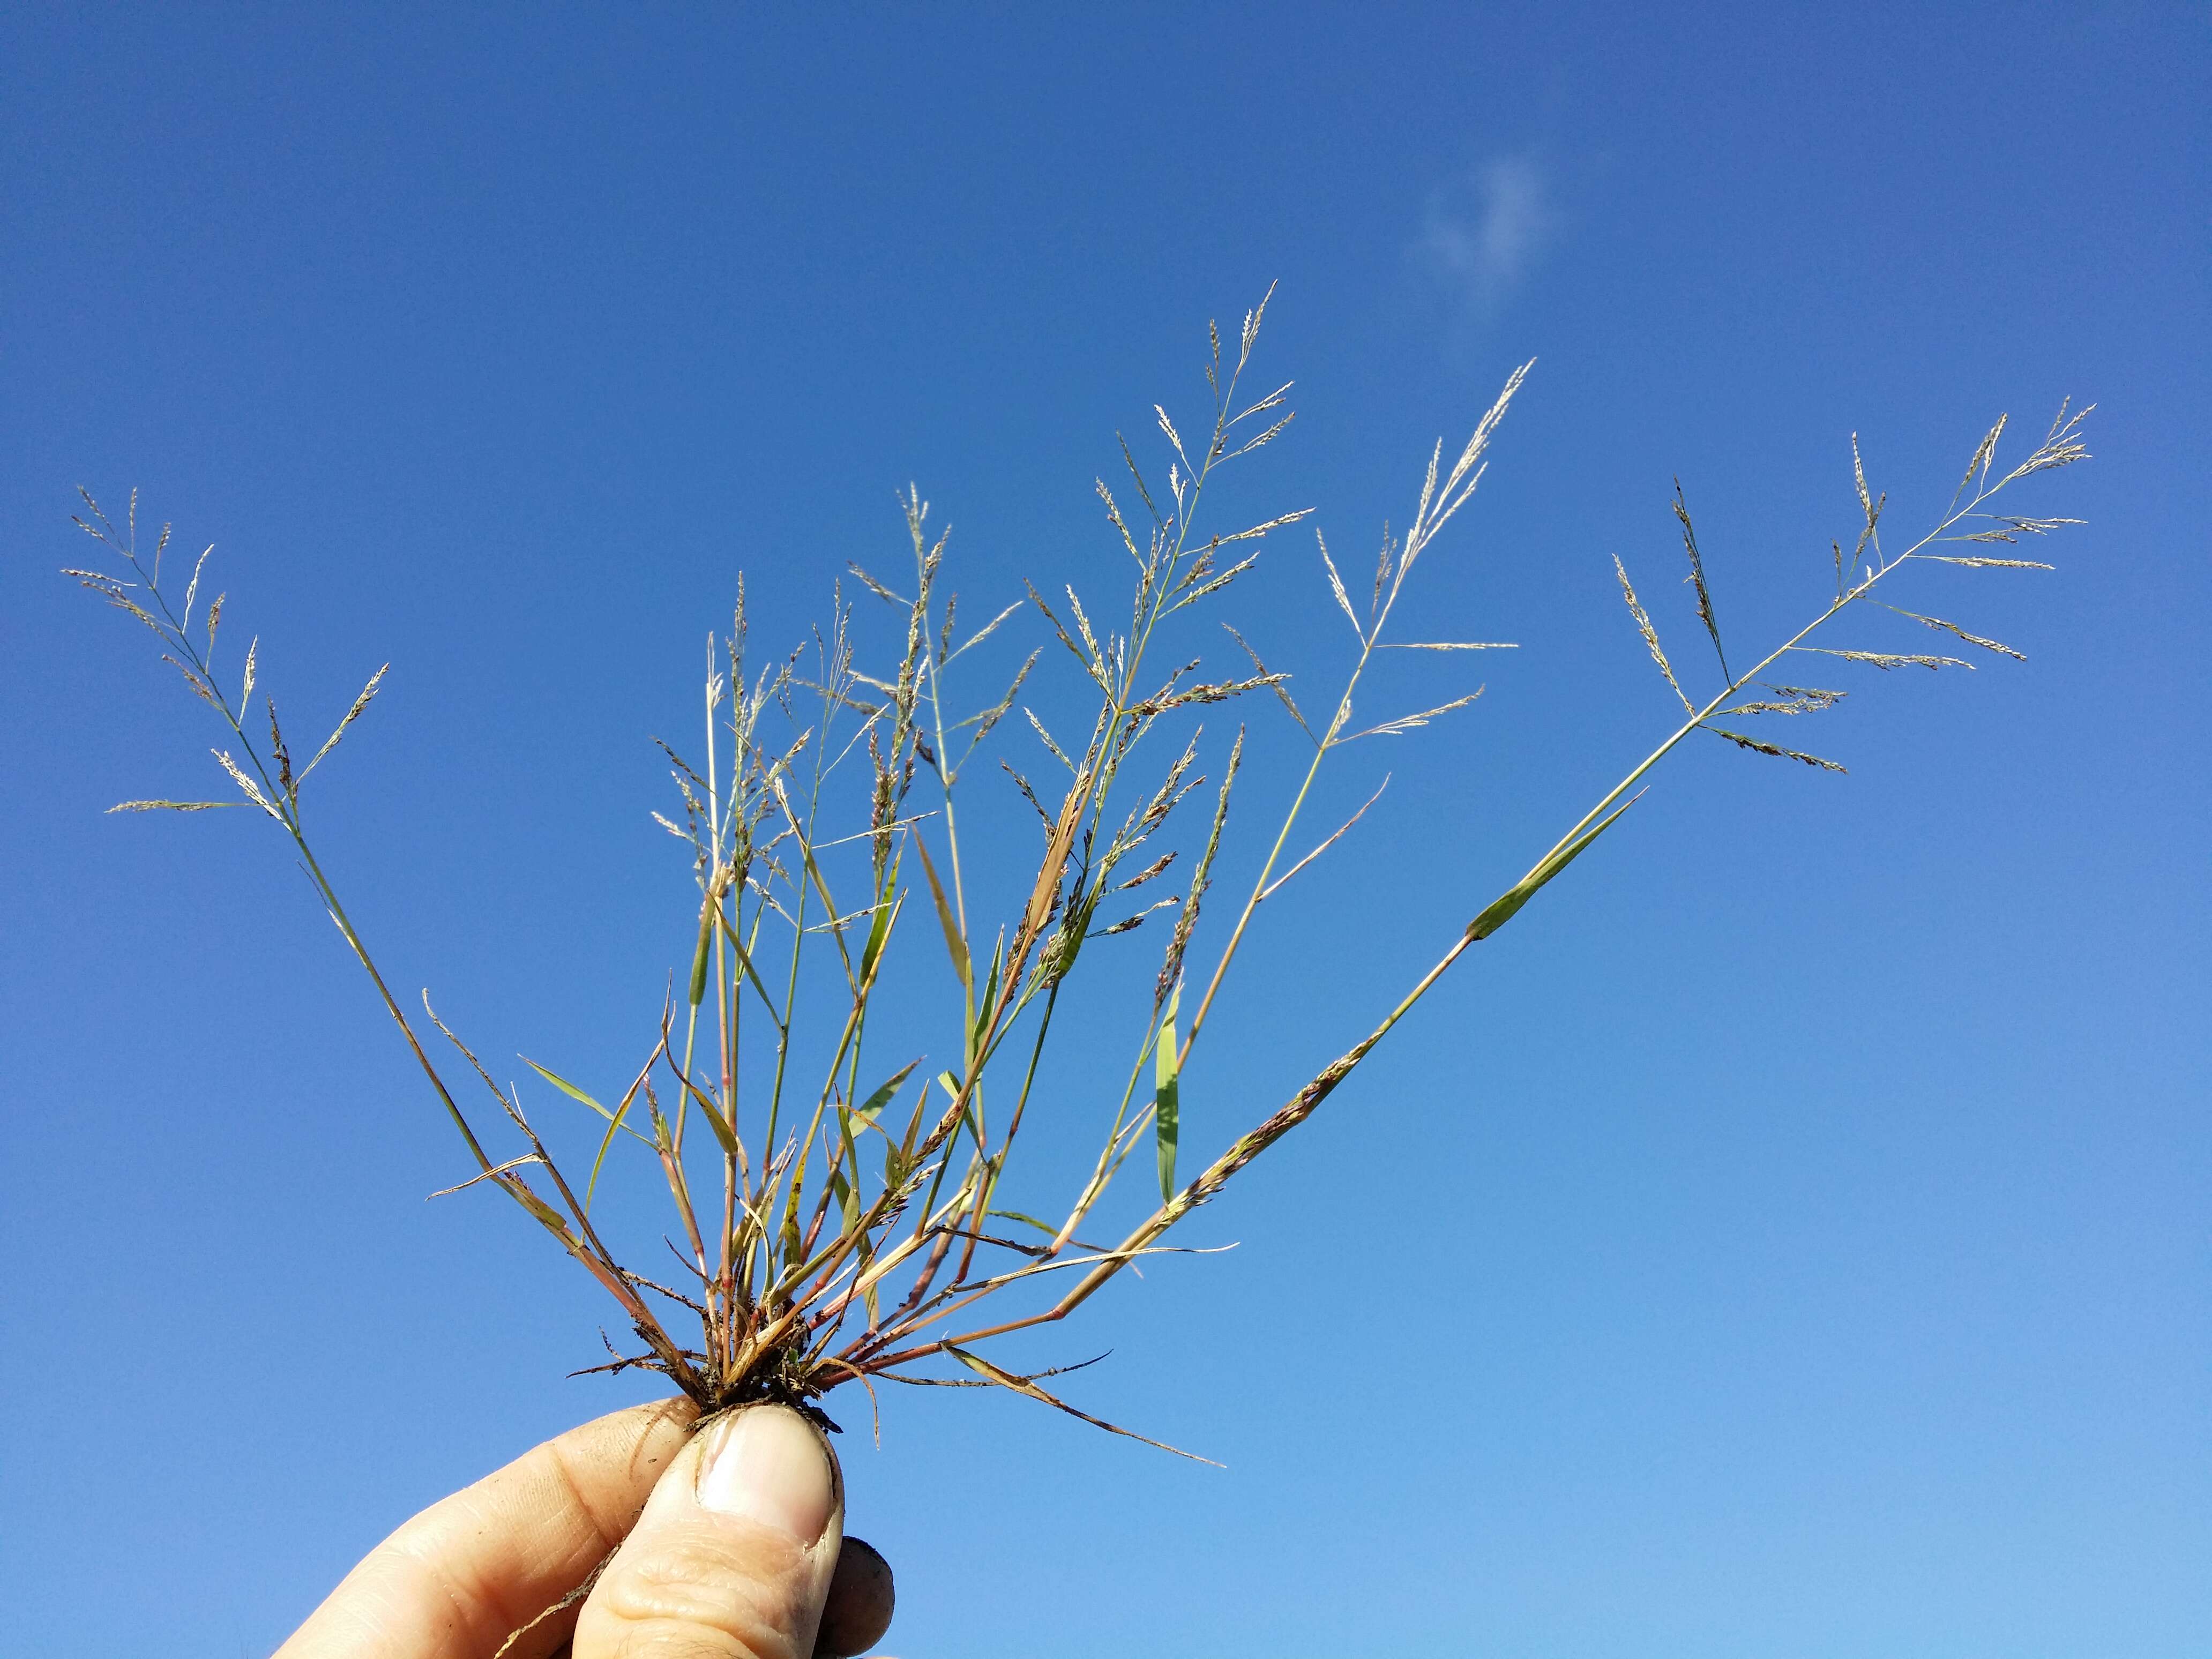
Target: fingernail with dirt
767,1464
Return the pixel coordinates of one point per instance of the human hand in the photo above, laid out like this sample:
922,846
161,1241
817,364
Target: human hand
731,1543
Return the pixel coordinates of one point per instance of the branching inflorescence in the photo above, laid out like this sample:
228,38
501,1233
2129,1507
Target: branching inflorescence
859,1227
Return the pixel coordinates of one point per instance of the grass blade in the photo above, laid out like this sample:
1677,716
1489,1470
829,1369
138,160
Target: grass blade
1167,1093
1023,1385
1508,904
955,946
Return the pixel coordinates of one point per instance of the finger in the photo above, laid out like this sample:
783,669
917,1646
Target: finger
733,1555
859,1608
459,1578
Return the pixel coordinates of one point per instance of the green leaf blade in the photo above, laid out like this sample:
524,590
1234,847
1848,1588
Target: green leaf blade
1167,1094
955,946
1508,904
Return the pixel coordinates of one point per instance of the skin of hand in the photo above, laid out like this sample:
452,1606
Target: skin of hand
732,1547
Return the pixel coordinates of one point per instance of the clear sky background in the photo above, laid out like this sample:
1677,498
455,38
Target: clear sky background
1788,1236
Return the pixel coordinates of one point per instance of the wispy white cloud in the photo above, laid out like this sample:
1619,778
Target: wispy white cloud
1485,231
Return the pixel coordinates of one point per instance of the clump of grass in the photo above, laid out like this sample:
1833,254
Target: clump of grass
842,1218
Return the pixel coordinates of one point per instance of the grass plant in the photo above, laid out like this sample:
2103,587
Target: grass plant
842,1216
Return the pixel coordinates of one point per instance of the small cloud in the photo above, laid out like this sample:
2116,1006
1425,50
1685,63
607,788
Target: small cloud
1484,233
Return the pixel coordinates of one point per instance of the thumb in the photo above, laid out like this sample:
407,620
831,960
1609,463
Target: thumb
733,1557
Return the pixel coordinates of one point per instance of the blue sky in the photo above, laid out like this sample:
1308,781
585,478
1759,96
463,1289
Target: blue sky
1788,1236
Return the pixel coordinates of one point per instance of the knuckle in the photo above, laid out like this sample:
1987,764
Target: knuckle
697,1594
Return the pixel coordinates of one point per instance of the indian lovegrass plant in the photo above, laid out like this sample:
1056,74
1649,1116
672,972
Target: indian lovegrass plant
844,1216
